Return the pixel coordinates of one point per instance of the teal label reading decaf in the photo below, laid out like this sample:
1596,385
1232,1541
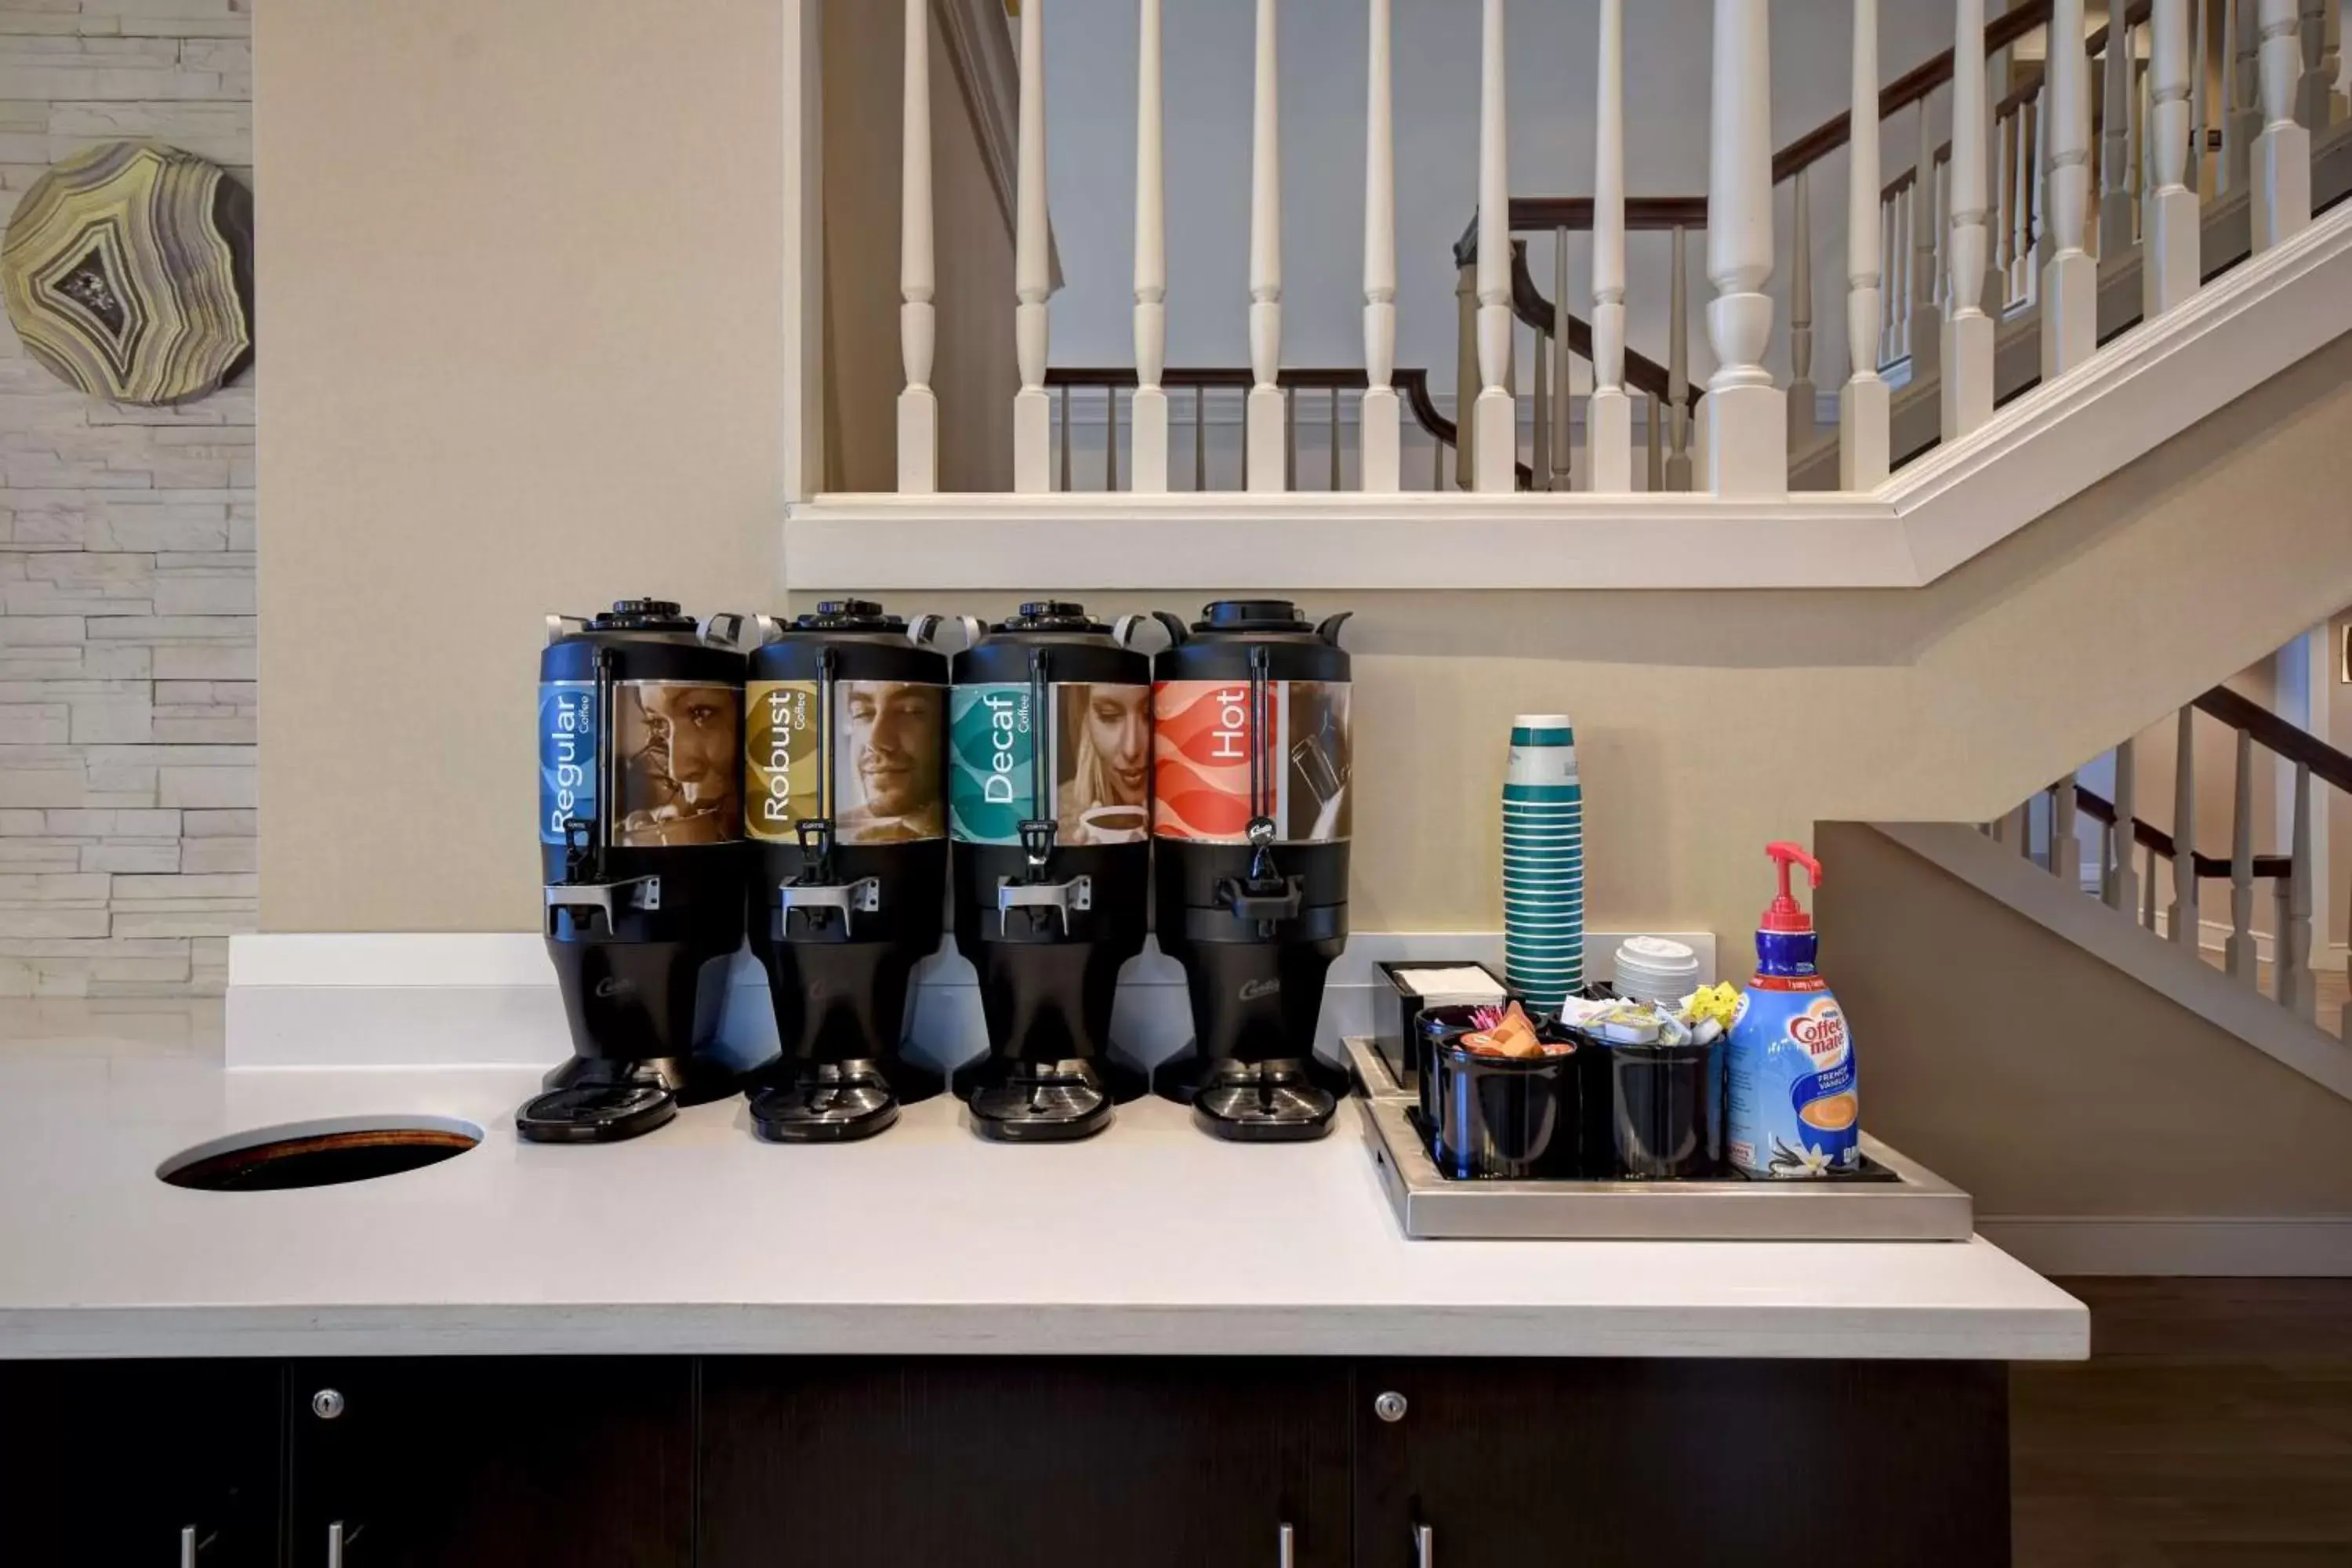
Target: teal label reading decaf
567,756
993,741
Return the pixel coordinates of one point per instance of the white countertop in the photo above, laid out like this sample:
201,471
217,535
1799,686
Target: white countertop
700,1239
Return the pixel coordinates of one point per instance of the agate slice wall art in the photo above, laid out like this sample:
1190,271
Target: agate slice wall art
128,271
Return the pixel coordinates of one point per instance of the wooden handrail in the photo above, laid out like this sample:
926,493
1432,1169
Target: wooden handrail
1642,373
2210,868
2275,734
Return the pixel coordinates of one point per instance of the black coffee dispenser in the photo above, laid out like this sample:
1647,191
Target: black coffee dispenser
1251,819
1048,792
845,807
640,828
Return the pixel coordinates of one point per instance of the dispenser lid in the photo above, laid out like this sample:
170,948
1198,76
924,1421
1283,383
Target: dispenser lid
1051,616
1252,616
849,616
642,616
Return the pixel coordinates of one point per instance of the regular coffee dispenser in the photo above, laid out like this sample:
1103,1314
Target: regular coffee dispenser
640,857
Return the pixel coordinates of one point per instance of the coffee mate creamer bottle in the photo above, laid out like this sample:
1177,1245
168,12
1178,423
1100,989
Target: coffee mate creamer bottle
1795,1107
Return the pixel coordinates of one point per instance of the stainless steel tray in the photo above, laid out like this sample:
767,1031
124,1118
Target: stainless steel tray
1919,1206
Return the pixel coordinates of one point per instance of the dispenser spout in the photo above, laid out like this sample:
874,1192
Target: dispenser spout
1785,914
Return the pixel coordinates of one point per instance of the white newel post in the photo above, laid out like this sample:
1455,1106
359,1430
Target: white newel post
1923,332
2169,264
1863,403
1801,395
1496,413
2281,154
2070,279
2115,141
919,406
1968,330
1746,428
1380,441
1265,460
1609,413
1033,410
1148,407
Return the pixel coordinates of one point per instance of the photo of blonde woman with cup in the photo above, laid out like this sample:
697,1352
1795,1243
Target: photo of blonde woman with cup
1103,745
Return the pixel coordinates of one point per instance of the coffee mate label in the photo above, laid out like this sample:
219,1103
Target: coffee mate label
1795,1106
994,745
567,756
1204,736
779,759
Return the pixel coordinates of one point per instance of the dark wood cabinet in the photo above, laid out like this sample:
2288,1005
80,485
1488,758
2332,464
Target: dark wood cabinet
1681,1464
452,1463
1025,1464
139,1463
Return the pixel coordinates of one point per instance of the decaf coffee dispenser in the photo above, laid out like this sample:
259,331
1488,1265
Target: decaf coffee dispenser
845,803
640,832
1251,758
1048,794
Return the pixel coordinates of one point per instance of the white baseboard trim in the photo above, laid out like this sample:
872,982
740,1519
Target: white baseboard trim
2243,1246
376,999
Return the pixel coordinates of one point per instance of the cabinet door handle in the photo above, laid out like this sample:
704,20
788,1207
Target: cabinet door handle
1424,1546
1286,1545
188,1546
335,1544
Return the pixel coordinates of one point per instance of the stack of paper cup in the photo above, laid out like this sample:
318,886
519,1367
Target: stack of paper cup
1543,862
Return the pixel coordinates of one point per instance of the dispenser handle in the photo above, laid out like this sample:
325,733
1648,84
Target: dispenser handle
1175,623
1122,630
733,637
975,631
1329,630
923,629
768,628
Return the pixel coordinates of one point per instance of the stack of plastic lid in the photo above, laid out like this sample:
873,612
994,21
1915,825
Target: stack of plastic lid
1656,969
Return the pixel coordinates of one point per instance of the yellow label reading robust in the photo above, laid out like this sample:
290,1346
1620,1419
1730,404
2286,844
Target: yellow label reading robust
780,758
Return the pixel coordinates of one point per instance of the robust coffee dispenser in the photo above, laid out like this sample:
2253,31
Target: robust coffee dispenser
640,830
845,803
1048,789
1251,758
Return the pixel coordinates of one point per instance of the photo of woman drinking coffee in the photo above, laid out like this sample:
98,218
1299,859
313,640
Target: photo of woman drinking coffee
1103,747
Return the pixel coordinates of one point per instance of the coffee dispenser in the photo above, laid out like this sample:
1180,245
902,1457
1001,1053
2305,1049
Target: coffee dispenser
1252,773
845,806
640,831
1048,792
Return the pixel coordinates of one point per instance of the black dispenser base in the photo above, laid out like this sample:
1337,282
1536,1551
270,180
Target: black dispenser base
691,1081
1039,1102
837,1103
1290,1101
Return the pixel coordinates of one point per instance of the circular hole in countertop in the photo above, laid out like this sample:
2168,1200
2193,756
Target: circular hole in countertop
325,1152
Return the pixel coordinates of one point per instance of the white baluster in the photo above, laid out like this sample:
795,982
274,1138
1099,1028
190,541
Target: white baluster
2312,107
2119,884
2298,986
1466,375
1968,331
919,405
2281,154
1678,412
1496,413
2021,212
1802,415
1862,401
2239,953
1335,476
1539,460
1149,406
1562,371
2184,833
2242,122
2070,282
1264,422
2168,270
1032,270
1923,334
1891,250
1380,436
2000,232
1609,413
2065,849
1654,419
1200,439
2331,65
2114,140
1746,435
2199,104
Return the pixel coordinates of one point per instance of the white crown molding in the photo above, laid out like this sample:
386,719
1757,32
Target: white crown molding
2043,449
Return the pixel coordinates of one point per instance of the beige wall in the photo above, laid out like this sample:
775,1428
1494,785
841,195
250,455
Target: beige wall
975,372
2045,1081
524,337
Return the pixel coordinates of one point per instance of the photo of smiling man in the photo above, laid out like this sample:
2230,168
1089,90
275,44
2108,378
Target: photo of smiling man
891,738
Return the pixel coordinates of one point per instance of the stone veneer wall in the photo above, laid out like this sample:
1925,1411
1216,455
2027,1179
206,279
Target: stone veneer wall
127,697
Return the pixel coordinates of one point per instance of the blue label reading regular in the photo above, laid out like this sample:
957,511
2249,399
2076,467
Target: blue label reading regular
567,756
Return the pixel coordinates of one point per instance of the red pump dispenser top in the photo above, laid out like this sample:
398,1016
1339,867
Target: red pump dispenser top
1786,915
